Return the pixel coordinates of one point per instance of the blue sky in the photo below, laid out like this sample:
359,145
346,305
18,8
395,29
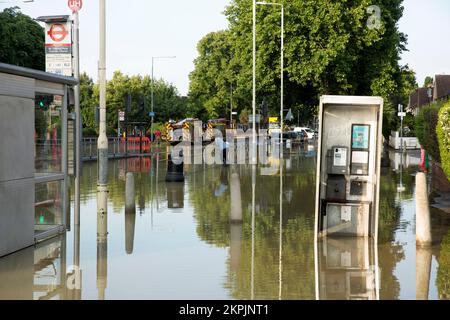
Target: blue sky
140,29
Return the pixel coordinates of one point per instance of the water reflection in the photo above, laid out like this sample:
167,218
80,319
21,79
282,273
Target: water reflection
130,212
241,236
102,258
36,273
347,269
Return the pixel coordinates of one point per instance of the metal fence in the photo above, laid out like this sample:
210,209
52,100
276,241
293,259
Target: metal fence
117,147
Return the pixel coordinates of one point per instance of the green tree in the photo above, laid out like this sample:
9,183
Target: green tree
87,101
428,80
168,103
21,40
212,80
329,49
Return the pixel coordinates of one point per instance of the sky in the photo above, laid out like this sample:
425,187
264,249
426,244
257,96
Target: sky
140,29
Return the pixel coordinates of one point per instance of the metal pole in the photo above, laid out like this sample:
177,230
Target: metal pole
102,187
282,72
401,134
118,125
153,102
281,157
254,84
231,107
76,64
280,267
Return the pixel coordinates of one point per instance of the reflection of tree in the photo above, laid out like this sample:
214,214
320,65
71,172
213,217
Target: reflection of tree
213,226
297,260
390,253
116,185
212,213
443,274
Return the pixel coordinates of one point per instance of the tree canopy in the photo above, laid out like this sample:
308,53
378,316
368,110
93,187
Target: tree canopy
21,40
167,101
330,48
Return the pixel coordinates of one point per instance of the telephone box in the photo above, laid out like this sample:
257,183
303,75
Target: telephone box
348,166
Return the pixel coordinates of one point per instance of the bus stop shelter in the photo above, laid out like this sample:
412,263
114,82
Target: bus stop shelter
34,179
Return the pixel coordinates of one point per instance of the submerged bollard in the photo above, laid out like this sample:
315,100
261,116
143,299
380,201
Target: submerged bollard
175,172
423,269
423,224
130,212
236,199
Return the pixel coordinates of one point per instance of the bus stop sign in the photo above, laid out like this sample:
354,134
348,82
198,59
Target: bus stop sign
75,5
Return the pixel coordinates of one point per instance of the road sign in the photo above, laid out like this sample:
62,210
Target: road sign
122,116
58,48
75,5
273,119
402,114
152,114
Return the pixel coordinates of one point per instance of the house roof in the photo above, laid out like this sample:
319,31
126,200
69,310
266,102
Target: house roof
418,98
441,86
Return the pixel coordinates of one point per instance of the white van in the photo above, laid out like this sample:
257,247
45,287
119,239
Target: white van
309,132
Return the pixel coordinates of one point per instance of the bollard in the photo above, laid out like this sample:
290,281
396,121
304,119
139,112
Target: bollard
423,269
423,225
130,212
175,172
236,200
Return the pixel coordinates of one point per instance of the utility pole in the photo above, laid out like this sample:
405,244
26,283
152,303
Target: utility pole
253,161
231,106
78,128
102,180
282,72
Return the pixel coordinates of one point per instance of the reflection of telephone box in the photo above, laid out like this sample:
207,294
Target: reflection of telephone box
347,269
348,166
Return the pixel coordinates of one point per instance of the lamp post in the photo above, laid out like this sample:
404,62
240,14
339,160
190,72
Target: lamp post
430,93
281,67
153,91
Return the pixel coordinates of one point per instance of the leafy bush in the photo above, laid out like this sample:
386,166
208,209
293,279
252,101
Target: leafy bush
111,132
89,133
443,134
425,128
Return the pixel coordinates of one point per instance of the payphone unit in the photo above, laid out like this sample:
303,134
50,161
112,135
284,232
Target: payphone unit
348,168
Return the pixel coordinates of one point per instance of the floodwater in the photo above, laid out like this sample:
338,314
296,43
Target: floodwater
178,242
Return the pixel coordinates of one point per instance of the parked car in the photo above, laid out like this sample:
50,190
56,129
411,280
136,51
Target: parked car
311,134
295,137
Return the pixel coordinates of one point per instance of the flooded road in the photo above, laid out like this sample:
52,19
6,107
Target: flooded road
178,241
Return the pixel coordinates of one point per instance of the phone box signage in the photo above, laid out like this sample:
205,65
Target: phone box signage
348,166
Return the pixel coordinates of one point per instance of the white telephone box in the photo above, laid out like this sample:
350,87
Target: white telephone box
348,166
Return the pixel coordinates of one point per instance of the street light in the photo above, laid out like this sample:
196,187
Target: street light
153,100
430,92
282,65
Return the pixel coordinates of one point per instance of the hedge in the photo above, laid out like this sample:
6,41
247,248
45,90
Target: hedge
443,134
425,128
